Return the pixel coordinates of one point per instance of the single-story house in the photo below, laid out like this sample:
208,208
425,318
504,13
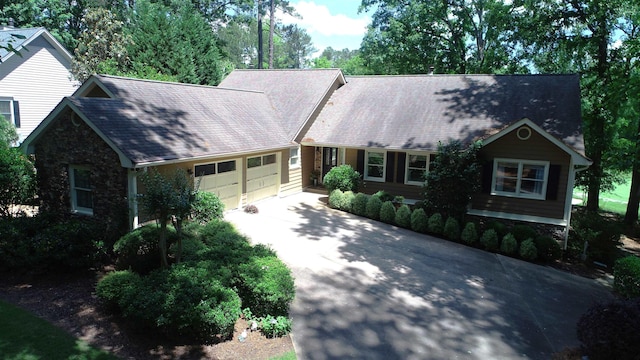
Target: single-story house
32,83
261,133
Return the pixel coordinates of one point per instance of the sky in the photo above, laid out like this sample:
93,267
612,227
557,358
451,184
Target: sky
334,23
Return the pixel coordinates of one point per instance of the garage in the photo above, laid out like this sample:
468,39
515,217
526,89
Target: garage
221,178
262,177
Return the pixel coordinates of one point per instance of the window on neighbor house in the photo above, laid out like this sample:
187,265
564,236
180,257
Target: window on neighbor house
9,109
81,191
417,167
294,158
520,178
375,162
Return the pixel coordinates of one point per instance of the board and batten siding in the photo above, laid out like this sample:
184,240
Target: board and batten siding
39,80
535,148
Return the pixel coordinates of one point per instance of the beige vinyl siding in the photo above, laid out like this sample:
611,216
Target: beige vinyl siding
535,148
39,81
291,179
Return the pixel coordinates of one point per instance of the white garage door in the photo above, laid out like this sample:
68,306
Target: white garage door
262,177
221,178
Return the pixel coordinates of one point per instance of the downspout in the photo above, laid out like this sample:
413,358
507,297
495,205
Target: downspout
569,198
132,180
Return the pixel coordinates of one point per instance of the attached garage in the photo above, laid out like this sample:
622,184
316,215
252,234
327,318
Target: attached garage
221,178
263,176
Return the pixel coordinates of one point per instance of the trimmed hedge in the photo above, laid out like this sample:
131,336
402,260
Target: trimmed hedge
388,212
489,240
523,232
207,207
626,277
419,221
138,250
403,216
337,199
548,248
373,207
266,286
451,229
509,244
342,177
469,234
528,250
359,204
436,224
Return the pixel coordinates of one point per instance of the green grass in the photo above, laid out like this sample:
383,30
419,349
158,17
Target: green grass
291,355
27,337
614,201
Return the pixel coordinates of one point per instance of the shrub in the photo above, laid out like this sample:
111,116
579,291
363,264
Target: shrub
523,232
403,217
436,224
419,221
610,330
275,326
336,199
349,196
112,288
548,248
138,250
373,207
342,177
490,240
452,229
206,207
251,209
528,250
469,234
626,277
602,234
499,227
383,196
388,212
266,286
509,244
359,204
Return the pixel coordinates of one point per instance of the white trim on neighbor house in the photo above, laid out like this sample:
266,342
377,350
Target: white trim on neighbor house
79,205
382,166
48,37
498,187
89,85
9,113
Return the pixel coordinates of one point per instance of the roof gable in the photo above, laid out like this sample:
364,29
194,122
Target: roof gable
30,35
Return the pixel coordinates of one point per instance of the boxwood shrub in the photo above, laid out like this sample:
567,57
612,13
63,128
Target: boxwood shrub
112,288
206,207
388,212
342,177
336,199
374,204
403,216
359,204
419,221
626,277
489,240
469,234
509,245
499,227
266,286
436,224
528,250
523,232
138,249
548,248
451,229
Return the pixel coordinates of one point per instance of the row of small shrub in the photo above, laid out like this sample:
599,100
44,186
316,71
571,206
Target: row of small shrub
626,277
201,298
520,240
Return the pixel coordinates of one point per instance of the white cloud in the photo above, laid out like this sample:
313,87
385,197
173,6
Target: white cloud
317,19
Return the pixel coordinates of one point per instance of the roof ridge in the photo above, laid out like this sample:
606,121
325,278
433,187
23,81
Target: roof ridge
456,75
173,83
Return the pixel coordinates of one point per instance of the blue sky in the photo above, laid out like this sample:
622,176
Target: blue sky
334,23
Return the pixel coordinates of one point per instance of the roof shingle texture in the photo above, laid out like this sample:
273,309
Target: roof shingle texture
6,37
156,121
416,112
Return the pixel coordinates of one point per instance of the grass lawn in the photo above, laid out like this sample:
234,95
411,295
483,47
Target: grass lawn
27,337
614,201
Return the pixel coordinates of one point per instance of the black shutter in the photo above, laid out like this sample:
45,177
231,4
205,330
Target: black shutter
360,162
553,182
402,163
390,167
487,177
16,113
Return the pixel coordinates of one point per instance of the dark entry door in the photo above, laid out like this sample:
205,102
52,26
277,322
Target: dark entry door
329,159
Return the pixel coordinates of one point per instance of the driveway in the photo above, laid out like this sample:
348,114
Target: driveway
370,290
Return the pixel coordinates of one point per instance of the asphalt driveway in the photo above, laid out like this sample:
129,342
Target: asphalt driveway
370,290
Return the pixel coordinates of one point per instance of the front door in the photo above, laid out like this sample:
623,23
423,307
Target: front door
329,159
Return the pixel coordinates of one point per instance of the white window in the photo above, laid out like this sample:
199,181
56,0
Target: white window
215,168
375,162
6,109
81,192
294,158
261,160
417,167
520,178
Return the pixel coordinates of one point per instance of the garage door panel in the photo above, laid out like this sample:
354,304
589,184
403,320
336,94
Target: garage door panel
225,185
262,181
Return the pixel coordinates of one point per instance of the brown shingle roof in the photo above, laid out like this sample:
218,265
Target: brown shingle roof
416,112
295,93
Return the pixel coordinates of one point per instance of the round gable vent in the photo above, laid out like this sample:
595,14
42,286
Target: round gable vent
524,133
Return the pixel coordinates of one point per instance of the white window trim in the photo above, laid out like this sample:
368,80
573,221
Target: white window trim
520,163
74,201
12,112
406,167
297,164
366,166
216,165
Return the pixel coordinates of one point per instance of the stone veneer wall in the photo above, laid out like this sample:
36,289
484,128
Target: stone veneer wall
69,142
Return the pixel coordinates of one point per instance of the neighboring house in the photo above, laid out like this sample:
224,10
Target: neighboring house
32,83
262,132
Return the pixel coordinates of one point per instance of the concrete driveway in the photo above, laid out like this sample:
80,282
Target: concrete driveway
370,290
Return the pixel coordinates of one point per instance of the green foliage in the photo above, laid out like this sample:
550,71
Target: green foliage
17,179
374,204
419,221
266,286
436,224
509,244
602,235
341,200
490,240
112,288
403,216
454,176
275,326
523,232
342,177
528,250
500,228
8,133
383,196
207,207
388,212
359,204
138,250
548,248
469,234
626,277
610,330
451,229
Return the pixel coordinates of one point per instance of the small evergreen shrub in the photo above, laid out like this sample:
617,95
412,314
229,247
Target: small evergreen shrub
469,234
528,250
112,288
610,330
403,217
548,248
349,197
523,232
419,221
489,240
138,250
278,326
383,196
206,207
336,199
373,207
452,229
499,227
388,212
602,234
251,209
436,224
626,277
342,177
359,204
266,286
509,244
